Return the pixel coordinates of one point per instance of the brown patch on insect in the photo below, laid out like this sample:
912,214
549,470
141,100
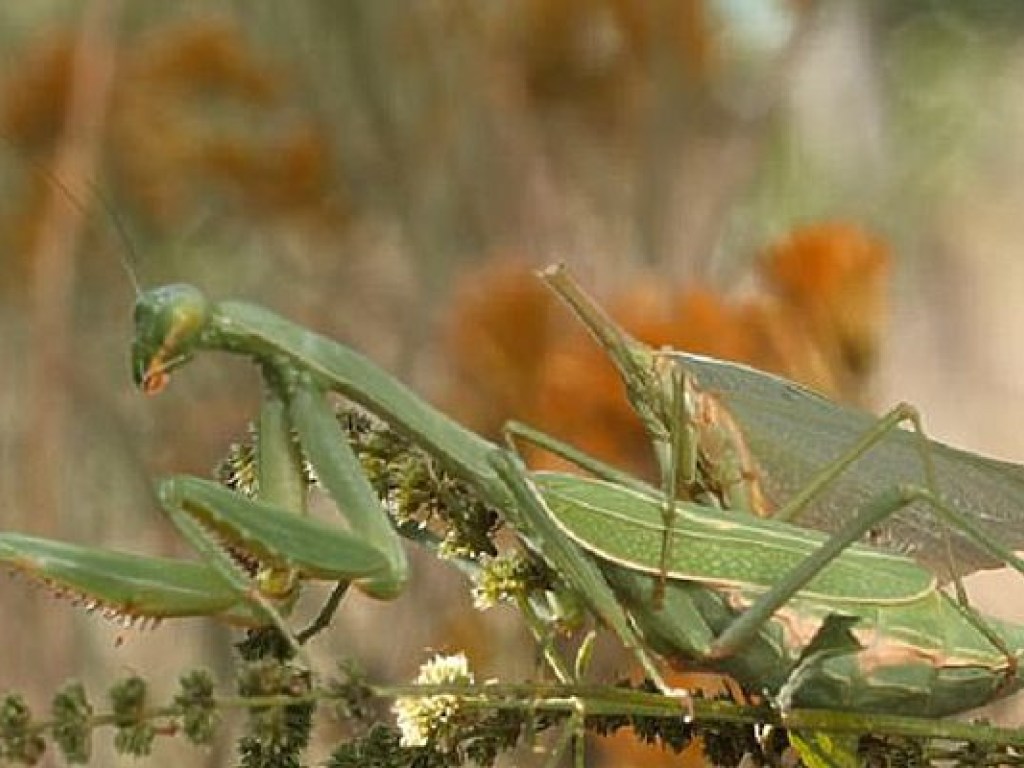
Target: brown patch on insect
798,628
729,467
881,651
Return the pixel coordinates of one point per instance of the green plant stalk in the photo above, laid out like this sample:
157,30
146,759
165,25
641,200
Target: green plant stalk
600,700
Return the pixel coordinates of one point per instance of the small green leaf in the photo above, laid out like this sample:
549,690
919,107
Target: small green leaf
825,750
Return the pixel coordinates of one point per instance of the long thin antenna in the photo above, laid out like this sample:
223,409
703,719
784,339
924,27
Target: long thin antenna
128,257
126,254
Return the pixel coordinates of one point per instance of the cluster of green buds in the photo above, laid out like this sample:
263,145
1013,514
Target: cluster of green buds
136,722
422,497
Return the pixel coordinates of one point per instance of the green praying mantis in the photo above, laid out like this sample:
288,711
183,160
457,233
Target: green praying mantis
812,619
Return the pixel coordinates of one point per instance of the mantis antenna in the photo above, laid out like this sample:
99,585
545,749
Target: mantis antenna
126,255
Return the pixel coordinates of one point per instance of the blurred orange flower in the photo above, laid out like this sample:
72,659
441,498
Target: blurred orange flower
816,319
181,132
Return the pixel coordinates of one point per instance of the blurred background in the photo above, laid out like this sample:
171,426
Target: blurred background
831,190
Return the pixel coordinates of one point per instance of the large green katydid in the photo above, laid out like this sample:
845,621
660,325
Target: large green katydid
753,441
775,607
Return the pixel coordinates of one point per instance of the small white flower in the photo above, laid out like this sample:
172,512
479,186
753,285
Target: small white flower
421,719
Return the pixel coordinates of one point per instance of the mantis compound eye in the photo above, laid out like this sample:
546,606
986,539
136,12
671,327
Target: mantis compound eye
168,321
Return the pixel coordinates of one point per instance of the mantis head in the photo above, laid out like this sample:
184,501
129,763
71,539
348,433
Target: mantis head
168,321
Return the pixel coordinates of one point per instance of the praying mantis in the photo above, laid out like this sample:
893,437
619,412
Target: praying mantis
812,619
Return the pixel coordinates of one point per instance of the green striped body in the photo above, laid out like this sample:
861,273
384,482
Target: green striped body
915,652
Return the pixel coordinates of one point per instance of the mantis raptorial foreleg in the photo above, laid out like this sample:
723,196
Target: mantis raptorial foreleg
212,553
288,545
341,474
276,469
